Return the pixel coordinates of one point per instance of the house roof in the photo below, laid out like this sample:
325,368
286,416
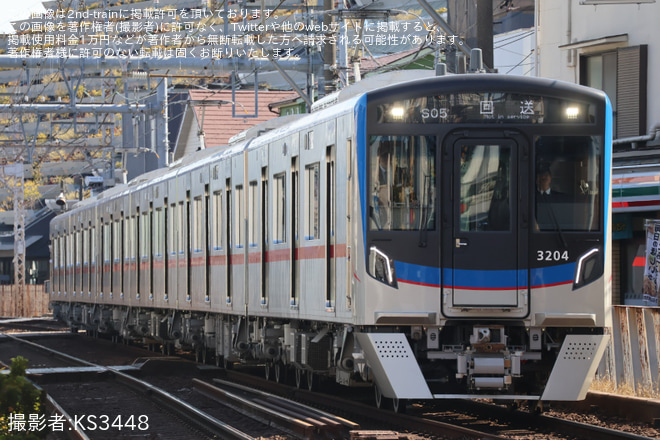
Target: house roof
394,61
213,111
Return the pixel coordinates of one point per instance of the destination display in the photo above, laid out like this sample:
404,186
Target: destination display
505,108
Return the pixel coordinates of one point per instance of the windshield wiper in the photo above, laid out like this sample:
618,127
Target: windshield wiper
424,210
556,223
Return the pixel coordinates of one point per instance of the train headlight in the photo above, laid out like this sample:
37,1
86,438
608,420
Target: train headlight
589,268
572,113
381,267
397,113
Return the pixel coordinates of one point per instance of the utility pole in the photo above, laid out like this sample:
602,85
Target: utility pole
473,21
19,239
12,176
329,50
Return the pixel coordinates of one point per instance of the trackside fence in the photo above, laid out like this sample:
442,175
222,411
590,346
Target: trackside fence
632,359
34,302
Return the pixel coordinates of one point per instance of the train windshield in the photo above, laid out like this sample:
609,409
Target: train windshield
567,182
485,188
402,183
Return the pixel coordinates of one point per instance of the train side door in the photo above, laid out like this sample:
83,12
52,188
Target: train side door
486,233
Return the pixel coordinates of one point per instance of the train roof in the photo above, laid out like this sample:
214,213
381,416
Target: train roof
380,87
372,83
487,81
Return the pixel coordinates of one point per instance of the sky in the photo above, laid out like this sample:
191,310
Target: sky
11,10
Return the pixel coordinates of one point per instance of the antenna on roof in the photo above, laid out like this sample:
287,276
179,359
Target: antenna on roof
476,61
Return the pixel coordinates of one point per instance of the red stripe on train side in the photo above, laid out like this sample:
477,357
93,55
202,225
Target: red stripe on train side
217,260
310,253
278,255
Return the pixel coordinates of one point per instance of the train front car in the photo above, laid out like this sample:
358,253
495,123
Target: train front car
485,228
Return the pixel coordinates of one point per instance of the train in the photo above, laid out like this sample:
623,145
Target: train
395,237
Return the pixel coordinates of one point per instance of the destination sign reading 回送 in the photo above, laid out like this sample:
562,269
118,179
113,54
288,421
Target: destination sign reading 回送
459,108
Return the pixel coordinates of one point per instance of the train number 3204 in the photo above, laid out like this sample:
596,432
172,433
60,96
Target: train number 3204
551,256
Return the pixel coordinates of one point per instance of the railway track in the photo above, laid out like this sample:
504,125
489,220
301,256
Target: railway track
518,421
110,399
429,420
450,419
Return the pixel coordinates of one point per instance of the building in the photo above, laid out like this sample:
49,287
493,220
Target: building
212,117
614,45
37,247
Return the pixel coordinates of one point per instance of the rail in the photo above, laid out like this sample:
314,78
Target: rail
194,416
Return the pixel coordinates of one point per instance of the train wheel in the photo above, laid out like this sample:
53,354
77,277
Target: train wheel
298,377
379,397
280,372
267,369
205,355
538,409
310,380
399,405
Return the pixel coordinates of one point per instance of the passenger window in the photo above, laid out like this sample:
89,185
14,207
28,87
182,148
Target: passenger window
279,208
312,201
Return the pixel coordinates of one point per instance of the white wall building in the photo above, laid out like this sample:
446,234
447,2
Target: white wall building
614,45
608,44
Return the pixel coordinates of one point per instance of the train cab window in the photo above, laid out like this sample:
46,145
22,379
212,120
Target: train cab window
402,183
485,203
567,178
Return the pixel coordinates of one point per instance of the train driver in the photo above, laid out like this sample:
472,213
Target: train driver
547,199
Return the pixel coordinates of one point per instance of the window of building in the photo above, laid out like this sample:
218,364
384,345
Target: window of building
622,75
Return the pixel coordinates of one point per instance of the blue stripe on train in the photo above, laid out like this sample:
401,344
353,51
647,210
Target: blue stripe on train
484,279
360,116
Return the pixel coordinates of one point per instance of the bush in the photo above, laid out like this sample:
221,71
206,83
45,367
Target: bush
19,397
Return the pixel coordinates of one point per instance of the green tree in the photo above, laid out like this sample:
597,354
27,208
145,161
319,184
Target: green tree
19,397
